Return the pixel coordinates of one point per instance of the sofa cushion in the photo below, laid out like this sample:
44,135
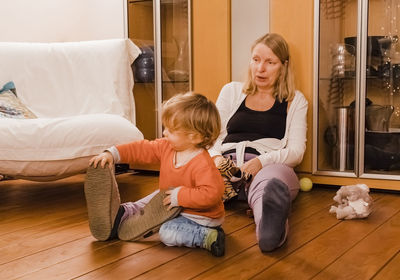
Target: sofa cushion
72,78
52,148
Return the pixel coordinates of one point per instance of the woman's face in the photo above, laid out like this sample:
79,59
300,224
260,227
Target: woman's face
265,67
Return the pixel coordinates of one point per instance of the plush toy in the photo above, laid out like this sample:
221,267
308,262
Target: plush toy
353,202
234,178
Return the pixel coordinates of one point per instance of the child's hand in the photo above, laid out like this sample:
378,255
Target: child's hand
103,159
167,200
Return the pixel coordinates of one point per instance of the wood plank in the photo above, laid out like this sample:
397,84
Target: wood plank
196,261
365,259
49,257
137,263
237,243
313,257
49,199
251,261
52,239
308,203
390,269
40,217
68,250
306,223
38,240
127,268
54,223
116,256
89,261
17,195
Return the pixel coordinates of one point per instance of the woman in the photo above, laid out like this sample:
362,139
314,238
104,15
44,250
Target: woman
264,124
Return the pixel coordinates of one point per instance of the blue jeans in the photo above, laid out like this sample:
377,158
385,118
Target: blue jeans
182,231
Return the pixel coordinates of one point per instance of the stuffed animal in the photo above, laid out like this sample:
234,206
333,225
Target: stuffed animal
234,178
353,202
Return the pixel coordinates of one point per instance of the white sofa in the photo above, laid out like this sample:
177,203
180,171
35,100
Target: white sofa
81,93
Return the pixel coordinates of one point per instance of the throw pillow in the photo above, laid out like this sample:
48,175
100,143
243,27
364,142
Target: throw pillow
11,106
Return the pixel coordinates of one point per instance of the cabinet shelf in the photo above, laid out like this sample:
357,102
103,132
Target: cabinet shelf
164,82
150,2
352,78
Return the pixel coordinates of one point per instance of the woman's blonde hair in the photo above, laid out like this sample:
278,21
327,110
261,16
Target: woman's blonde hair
193,113
284,86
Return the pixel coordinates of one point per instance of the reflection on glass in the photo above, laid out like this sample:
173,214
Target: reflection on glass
179,71
382,131
175,47
336,86
143,67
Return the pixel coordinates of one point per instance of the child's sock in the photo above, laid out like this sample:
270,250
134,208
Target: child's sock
130,209
215,242
275,211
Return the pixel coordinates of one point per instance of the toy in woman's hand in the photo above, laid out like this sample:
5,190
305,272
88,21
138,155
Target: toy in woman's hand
234,178
353,202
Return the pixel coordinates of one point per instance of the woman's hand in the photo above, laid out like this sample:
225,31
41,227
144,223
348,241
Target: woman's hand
252,166
103,159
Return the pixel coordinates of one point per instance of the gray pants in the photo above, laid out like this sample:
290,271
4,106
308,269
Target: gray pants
255,192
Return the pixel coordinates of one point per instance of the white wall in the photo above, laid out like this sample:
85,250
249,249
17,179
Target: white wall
62,20
250,20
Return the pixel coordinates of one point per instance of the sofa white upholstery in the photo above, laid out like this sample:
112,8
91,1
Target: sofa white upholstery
81,93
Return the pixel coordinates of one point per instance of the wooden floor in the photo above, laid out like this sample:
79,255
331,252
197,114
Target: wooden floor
44,234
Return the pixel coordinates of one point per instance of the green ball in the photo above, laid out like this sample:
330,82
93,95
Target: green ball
305,184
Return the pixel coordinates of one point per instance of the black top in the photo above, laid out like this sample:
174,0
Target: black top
250,125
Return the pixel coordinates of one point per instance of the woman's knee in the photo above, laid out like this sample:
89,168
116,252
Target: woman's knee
279,171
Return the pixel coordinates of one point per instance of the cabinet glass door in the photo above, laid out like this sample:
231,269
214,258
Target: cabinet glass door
161,28
141,32
382,87
334,117
176,64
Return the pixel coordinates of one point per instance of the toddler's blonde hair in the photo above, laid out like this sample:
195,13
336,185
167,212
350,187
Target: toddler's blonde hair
193,113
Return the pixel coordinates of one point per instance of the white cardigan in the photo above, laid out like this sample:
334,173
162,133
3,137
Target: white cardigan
289,150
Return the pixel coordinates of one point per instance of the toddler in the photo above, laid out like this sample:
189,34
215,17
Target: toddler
190,186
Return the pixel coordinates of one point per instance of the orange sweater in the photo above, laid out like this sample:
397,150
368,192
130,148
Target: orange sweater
201,182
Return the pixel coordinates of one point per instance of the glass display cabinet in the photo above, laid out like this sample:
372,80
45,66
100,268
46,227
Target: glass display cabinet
161,29
356,114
